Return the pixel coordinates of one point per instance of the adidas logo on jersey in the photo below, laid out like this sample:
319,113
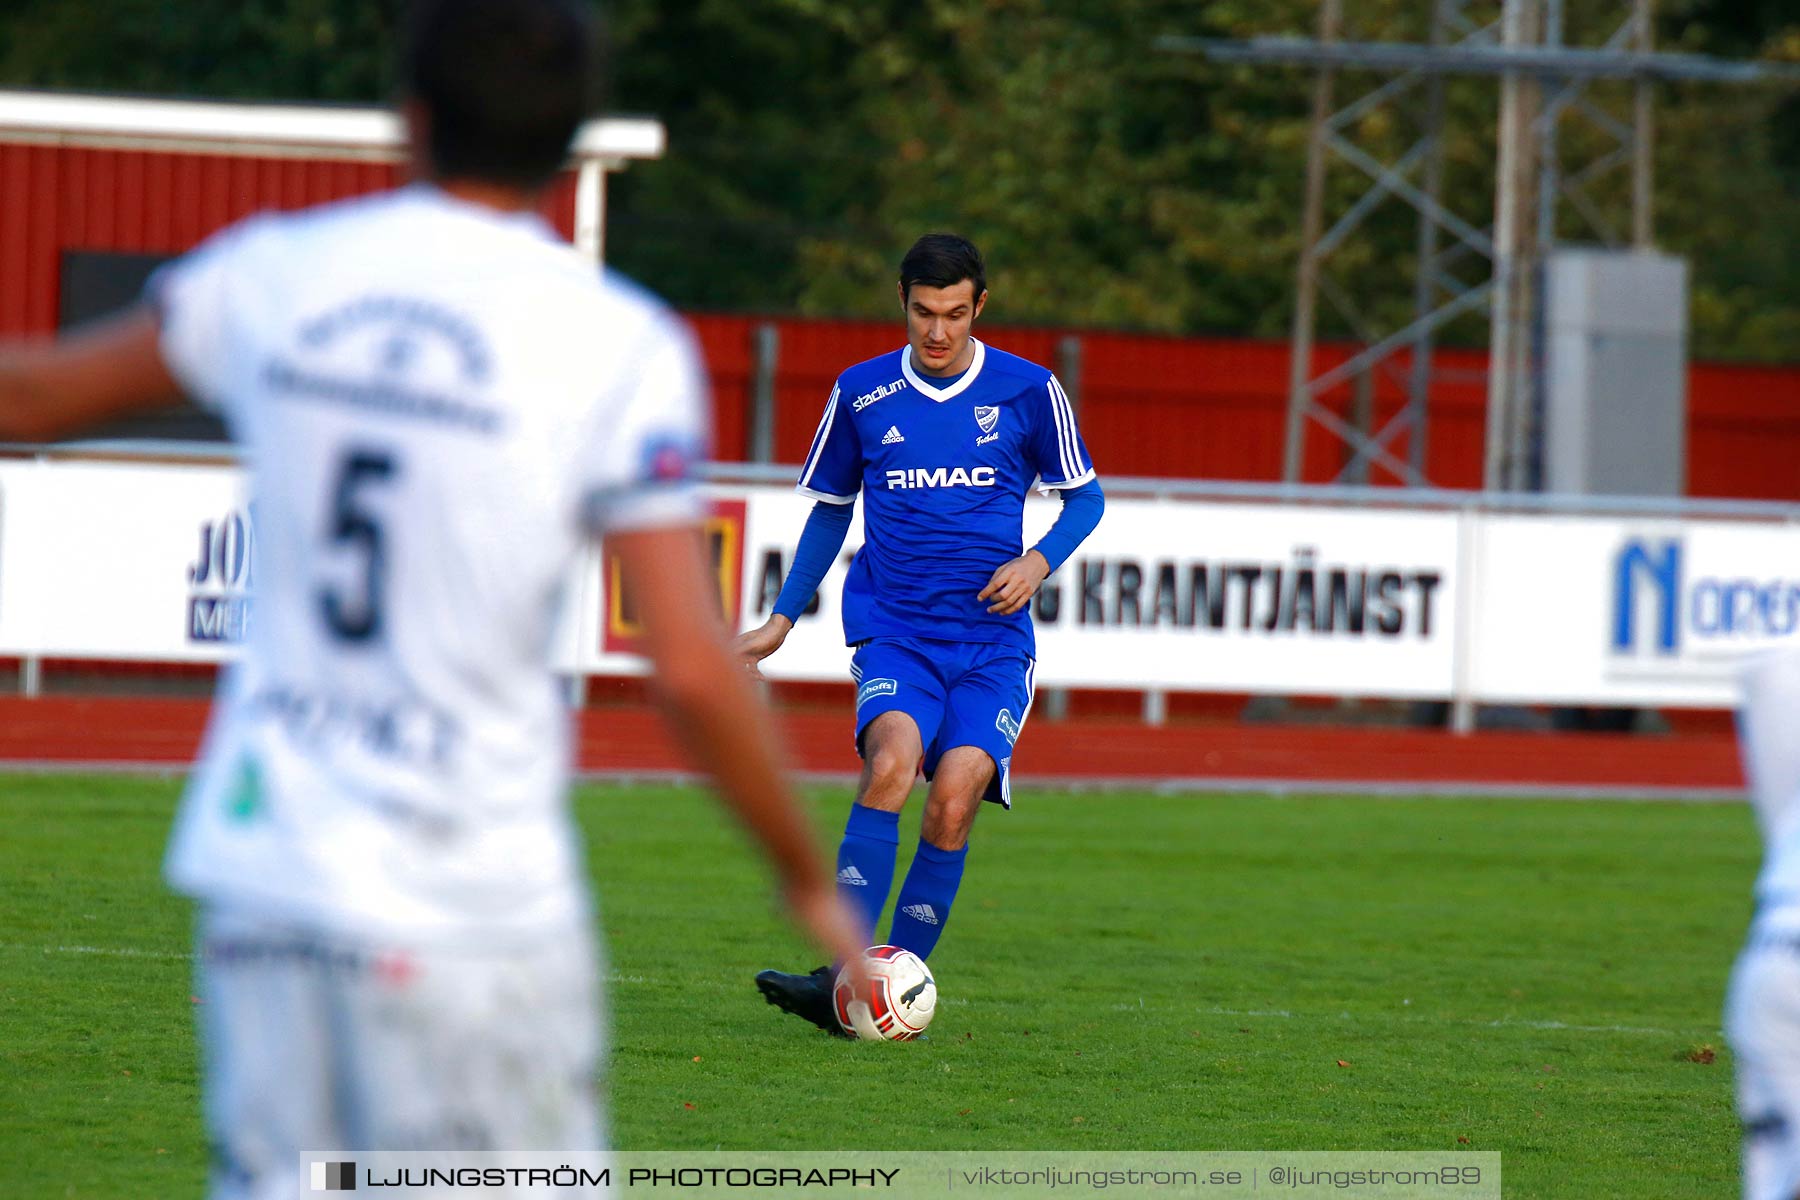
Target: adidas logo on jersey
851,877
893,436
922,913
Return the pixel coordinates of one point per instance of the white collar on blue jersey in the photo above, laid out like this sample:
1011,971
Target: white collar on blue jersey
944,393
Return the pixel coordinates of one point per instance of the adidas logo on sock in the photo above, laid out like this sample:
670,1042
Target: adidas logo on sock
921,913
851,877
893,436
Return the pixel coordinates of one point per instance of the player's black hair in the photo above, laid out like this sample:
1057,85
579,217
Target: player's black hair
505,84
940,260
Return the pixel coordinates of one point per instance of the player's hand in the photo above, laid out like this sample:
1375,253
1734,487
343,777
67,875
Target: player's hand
757,644
1015,582
822,913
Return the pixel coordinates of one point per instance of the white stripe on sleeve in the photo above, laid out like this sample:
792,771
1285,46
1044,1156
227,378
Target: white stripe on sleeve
819,439
1046,486
1068,411
1062,433
1062,445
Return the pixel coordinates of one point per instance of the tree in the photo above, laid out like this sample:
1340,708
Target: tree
811,140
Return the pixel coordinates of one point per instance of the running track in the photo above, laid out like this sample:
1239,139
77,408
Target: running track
61,731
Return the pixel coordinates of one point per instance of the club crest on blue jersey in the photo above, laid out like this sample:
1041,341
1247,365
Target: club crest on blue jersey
987,417
875,687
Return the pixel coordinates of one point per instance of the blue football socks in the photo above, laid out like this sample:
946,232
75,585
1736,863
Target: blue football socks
866,863
925,898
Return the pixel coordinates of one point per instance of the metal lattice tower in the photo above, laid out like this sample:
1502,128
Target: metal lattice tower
1543,83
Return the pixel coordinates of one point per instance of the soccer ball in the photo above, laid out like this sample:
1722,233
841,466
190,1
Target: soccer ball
903,997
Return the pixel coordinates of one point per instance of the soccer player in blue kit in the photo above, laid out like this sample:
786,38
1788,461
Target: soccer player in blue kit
944,438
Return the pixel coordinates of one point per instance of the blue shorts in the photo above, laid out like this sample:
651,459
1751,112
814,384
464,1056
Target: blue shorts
957,693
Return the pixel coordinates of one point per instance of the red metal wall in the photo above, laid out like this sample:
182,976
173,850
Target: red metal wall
1744,431
1215,408
54,199
1193,407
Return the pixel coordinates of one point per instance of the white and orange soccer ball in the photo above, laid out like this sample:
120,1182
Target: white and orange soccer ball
903,995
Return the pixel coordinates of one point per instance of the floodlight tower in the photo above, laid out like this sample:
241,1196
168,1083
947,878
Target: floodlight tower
1543,82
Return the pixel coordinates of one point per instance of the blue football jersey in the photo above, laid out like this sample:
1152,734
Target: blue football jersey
944,471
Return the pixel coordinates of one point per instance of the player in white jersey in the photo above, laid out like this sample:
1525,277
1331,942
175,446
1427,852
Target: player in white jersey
440,403
1762,1009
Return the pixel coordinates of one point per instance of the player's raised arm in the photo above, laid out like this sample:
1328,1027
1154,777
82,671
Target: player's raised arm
108,369
184,338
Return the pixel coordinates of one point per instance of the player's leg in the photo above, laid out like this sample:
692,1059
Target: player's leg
1762,1023
1766,743
899,705
961,778
473,1047
1762,1007
265,1042
865,859
984,712
891,750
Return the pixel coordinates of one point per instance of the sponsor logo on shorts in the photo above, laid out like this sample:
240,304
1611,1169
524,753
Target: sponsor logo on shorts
876,687
924,914
1007,724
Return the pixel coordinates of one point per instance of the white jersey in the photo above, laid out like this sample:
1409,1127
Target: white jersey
1769,742
439,404
1762,1005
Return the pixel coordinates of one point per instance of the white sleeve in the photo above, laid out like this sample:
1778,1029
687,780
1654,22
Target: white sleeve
639,466
196,298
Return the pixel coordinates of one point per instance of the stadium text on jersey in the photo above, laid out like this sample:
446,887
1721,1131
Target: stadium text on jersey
881,393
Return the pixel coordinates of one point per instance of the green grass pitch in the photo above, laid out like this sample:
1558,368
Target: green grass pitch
1123,971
